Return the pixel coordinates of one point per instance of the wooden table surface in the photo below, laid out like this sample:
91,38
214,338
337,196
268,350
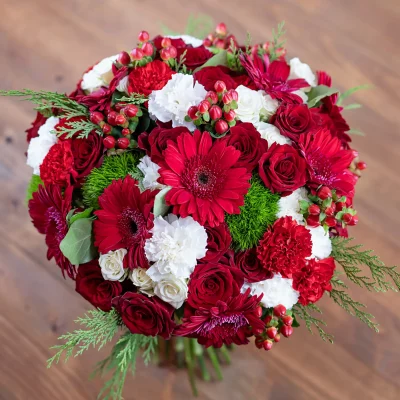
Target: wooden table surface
47,44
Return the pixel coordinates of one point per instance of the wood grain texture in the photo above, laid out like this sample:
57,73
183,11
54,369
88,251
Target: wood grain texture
47,44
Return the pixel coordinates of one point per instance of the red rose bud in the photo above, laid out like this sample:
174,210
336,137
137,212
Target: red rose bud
148,49
286,330
126,131
324,193
267,344
340,206
123,142
166,42
272,332
259,311
120,119
279,310
287,320
143,36
234,94
277,338
192,112
227,98
124,58
165,54
203,106
221,29
215,112
361,165
96,117
230,115
346,218
212,96
330,221
109,142
219,86
131,110
137,54
314,209
354,220
221,127
106,129
330,211
172,51
313,221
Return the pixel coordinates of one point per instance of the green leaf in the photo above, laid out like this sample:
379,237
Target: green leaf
355,132
349,92
219,59
77,246
319,92
352,106
160,207
84,214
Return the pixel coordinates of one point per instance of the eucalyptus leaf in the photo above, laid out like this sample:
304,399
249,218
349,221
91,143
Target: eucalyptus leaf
219,59
319,92
355,132
77,246
352,106
349,92
84,214
160,207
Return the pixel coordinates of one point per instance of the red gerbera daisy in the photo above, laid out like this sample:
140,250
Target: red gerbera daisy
225,323
124,220
48,209
205,183
327,162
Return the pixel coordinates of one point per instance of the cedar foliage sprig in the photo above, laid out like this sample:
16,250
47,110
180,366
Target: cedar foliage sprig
134,98
352,258
80,129
278,41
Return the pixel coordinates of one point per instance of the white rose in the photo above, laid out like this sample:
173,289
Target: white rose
100,75
188,39
302,71
40,145
142,281
112,265
172,290
271,133
150,172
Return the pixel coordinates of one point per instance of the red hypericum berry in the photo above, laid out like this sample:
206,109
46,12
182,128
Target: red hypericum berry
266,46
137,54
120,119
361,165
111,117
277,338
267,319
227,98
230,115
123,142
267,344
279,310
257,332
207,42
215,113
330,221
219,86
173,51
234,94
165,42
314,209
259,311
96,117
212,96
124,58
346,218
354,220
330,211
165,54
131,110
286,330
313,221
106,129
119,106
143,36
193,110
221,127
147,49
271,332
109,142
259,343
219,43
340,206
126,131
324,193
203,106
221,29
287,320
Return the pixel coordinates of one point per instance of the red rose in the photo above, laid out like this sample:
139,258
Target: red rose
314,279
212,282
32,132
178,43
248,262
145,316
194,56
207,76
58,165
284,247
153,76
218,242
245,138
91,285
283,169
155,142
292,120
244,80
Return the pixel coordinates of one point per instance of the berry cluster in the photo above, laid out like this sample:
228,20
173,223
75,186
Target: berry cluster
220,38
216,111
140,55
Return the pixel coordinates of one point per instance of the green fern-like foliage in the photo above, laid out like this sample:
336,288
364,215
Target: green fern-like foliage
257,214
114,167
33,187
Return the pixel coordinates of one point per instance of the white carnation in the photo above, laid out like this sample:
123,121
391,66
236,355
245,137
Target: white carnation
172,102
150,172
40,145
112,265
289,206
142,281
188,39
275,291
321,243
271,133
100,75
301,70
172,290
123,85
175,246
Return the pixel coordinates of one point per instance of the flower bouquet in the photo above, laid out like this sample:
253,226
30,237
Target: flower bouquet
199,193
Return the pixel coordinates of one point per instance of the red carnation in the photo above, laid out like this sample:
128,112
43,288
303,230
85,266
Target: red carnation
313,279
218,242
124,220
205,182
207,76
155,142
194,56
91,285
32,132
225,323
145,316
284,247
48,209
327,162
252,267
58,165
282,169
153,76
245,138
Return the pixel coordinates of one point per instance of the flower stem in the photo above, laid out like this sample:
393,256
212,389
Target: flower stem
225,354
180,352
199,352
190,365
215,362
